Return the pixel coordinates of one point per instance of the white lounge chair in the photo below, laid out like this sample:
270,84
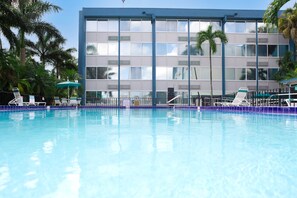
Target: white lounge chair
32,102
239,100
291,102
18,99
57,101
73,101
64,101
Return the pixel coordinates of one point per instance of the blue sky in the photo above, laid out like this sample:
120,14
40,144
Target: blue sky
67,19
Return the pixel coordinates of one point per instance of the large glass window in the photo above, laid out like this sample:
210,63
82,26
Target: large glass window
125,49
240,74
125,71
240,50
193,50
113,26
102,49
125,25
194,73
147,73
251,74
182,26
136,49
146,26
91,49
272,50
183,49
251,50
204,25
160,26
91,72
101,72
112,73
262,74
179,73
271,73
250,27
230,50
161,73
147,49
171,25
230,27
136,73
113,49
230,74
262,27
262,50
171,49
136,26
194,26
102,26
216,25
91,26
161,49
283,49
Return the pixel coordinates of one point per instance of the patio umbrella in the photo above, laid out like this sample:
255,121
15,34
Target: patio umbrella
68,84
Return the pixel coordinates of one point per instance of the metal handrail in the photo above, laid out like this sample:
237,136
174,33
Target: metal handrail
173,99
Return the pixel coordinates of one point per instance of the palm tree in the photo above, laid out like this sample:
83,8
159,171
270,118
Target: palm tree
210,36
9,18
287,23
271,14
32,12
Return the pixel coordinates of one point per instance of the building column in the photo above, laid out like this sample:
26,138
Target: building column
189,64
257,59
154,64
223,60
119,63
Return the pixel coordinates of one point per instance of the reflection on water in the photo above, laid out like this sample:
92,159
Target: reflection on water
146,153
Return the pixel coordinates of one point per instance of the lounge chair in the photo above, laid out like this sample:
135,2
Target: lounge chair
291,102
18,99
78,101
64,101
57,101
239,100
73,101
32,102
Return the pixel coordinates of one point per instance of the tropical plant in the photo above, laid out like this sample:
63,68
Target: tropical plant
210,37
271,14
287,23
9,18
32,13
287,68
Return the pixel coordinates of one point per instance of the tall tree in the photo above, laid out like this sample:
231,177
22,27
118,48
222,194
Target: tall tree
210,37
9,18
32,13
271,14
287,23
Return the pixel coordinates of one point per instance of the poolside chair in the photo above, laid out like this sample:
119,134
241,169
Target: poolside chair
239,100
291,102
32,102
64,101
73,101
18,99
78,101
57,101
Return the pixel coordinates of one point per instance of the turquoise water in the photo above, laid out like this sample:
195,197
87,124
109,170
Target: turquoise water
147,153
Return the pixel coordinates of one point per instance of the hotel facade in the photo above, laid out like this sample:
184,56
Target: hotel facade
146,53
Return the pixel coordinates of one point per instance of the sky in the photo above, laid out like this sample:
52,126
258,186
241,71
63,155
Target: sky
67,20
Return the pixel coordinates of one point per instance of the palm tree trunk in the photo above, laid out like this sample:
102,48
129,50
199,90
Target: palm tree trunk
210,76
22,46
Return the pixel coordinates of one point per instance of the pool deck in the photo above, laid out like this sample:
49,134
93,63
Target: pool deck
239,109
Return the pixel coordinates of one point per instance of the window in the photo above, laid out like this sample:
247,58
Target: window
283,49
146,26
272,50
230,74
91,72
262,28
91,26
194,26
91,49
112,73
250,27
179,73
125,49
136,49
251,74
125,73
262,74
240,74
136,26
113,26
194,73
136,73
204,25
183,49
125,25
240,50
251,50
161,73
262,50
102,26
160,26
147,73
230,50
101,72
102,49
171,25
271,73
171,49
161,49
182,26
113,49
147,49
216,26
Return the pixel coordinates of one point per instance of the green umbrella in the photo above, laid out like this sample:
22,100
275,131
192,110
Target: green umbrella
68,84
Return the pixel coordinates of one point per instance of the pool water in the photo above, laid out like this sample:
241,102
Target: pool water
147,153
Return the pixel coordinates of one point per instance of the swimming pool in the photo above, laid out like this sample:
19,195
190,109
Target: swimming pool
147,153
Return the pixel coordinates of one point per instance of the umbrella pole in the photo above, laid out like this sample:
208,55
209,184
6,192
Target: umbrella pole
68,92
